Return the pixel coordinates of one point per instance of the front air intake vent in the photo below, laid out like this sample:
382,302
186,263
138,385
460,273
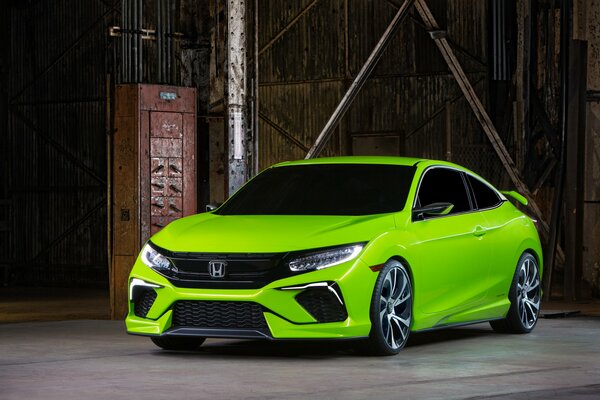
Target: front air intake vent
219,315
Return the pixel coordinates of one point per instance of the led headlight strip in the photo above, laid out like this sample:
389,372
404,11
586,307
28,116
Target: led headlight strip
155,260
325,259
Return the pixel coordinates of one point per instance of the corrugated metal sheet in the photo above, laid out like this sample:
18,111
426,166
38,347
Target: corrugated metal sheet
304,74
58,142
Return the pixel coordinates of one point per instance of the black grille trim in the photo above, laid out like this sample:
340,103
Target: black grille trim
143,302
219,315
243,270
323,304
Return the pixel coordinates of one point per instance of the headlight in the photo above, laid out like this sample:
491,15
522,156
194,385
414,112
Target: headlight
155,260
325,259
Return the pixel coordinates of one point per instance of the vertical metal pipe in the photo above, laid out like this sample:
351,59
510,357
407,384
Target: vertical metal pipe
236,94
167,28
123,40
256,100
139,39
134,51
159,41
129,43
171,67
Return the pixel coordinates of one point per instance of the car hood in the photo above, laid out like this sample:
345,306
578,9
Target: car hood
268,234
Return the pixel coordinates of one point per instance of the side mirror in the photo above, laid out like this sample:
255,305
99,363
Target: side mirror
435,209
212,207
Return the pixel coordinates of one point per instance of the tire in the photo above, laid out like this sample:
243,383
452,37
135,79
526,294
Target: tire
524,296
177,343
391,310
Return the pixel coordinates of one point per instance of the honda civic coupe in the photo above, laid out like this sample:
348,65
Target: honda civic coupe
369,248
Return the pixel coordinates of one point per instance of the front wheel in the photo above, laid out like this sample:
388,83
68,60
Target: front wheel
178,343
391,310
524,296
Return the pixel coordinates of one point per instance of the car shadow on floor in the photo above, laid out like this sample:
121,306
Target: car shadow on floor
318,349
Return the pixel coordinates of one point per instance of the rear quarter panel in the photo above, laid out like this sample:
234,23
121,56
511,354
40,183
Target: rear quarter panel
511,233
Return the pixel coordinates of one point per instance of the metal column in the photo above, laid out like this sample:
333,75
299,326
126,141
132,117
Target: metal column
236,94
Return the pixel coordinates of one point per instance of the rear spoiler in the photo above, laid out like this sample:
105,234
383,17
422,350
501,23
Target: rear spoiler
518,197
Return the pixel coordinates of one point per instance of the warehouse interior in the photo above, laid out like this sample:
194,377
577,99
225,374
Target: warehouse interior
507,88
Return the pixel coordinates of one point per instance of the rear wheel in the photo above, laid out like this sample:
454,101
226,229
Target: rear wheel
524,296
391,310
177,343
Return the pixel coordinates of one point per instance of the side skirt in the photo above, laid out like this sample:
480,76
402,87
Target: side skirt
455,325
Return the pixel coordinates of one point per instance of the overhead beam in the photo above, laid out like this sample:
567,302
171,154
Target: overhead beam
360,80
441,42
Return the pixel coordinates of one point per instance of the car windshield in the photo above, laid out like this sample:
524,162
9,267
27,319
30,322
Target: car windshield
323,189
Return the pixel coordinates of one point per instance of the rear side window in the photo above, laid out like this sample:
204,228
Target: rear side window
442,185
485,196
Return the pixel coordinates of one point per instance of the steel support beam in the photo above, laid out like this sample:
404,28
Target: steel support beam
283,132
360,80
480,113
236,94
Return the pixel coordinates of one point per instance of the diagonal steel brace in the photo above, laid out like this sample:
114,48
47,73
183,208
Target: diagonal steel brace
480,113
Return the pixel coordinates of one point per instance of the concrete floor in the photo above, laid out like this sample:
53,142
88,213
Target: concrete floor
97,360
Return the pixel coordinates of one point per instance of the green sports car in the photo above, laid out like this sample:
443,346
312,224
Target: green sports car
369,248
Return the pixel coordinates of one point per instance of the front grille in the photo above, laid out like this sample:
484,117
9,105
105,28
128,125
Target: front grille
143,302
322,304
219,315
242,270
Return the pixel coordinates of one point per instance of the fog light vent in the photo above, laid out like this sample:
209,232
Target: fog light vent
143,301
323,303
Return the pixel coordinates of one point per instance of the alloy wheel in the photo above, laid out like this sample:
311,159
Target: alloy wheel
395,307
528,292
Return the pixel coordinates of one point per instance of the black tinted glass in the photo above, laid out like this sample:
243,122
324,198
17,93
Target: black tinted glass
323,189
441,185
485,197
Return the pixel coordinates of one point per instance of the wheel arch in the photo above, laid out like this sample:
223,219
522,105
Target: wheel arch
406,264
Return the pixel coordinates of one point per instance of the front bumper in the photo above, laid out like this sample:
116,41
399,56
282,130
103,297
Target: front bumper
285,317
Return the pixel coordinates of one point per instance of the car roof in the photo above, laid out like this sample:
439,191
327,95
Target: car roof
355,160
385,160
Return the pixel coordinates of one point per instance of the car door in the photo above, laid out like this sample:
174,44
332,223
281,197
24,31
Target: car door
490,205
452,252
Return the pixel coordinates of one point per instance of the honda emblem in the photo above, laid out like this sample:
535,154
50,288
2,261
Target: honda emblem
216,269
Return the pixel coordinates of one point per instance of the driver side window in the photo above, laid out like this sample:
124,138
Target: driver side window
443,185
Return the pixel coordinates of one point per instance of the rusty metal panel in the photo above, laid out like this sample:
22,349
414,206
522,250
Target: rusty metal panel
166,125
154,170
143,154
167,98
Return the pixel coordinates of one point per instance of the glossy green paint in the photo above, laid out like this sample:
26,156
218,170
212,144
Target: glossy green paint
447,289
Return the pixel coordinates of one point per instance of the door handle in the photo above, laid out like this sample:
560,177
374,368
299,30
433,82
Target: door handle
479,231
